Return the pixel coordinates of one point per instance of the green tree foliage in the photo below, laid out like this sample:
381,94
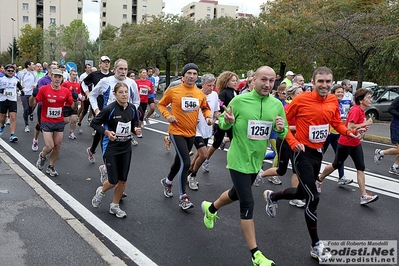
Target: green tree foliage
16,51
52,43
75,40
31,43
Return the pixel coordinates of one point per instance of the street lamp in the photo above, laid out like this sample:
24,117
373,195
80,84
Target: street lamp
12,49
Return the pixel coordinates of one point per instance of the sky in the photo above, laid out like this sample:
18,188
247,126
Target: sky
91,16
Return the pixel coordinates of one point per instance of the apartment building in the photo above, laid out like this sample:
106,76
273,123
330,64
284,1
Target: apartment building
16,14
208,9
118,12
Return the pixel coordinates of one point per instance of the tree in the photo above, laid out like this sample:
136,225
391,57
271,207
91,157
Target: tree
343,34
75,40
31,43
52,42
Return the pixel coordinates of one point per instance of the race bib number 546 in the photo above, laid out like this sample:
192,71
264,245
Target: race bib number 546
259,130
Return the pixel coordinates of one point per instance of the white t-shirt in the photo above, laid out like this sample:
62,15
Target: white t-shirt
203,130
346,102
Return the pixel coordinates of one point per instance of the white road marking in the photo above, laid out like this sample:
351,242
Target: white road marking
124,245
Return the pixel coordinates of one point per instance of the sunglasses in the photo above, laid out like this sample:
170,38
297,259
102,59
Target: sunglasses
10,70
283,92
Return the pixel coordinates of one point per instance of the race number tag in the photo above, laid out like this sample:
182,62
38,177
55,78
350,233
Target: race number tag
54,112
144,91
259,130
318,133
189,104
123,131
9,92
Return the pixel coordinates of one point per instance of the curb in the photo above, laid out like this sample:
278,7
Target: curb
378,139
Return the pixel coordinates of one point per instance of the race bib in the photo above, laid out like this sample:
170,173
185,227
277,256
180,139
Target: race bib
123,131
144,91
318,133
9,92
259,130
54,112
189,104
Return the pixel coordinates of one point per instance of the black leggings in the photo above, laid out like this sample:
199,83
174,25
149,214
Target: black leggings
242,191
284,155
356,154
218,135
307,165
181,163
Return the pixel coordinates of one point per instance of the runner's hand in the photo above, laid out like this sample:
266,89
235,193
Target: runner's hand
228,114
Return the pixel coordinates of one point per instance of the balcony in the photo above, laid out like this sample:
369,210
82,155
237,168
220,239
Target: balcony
39,2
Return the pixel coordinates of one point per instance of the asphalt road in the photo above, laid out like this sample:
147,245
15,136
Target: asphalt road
157,231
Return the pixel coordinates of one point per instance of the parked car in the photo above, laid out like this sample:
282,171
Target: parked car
382,99
365,84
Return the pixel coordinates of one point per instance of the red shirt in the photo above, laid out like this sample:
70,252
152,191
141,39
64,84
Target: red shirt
72,86
144,87
356,115
53,102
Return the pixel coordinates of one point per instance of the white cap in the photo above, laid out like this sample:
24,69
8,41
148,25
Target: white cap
289,73
104,58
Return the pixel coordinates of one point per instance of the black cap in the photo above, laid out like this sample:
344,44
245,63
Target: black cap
9,66
189,66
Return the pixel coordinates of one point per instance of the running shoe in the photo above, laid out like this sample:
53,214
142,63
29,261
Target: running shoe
90,156
13,138
140,136
27,128
258,178
297,202
115,209
394,170
319,251
156,115
80,130
103,173
1,131
275,180
260,260
378,156
51,171
344,181
271,206
72,135
167,188
134,142
368,198
168,142
93,133
31,117
319,185
192,182
205,166
40,162
124,195
185,203
35,145
98,197
88,120
147,121
209,218
7,120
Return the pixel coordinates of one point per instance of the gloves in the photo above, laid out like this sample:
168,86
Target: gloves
75,95
22,93
34,92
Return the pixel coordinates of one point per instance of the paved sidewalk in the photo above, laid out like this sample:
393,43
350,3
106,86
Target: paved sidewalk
37,230
378,132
